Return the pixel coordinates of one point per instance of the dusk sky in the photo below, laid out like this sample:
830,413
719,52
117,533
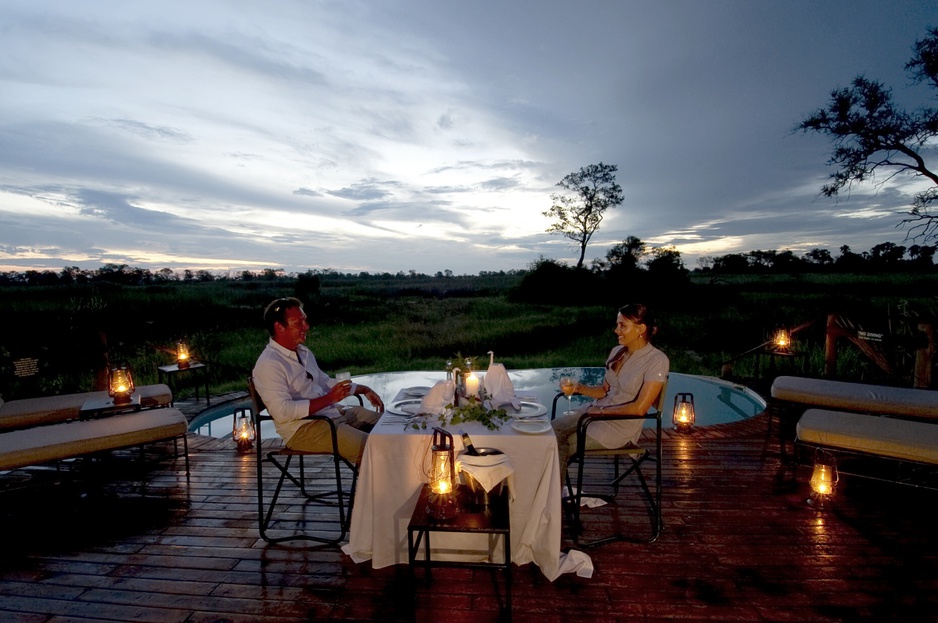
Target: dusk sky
386,136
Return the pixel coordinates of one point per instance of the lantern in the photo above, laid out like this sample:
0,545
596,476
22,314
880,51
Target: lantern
823,479
782,341
120,384
182,354
442,504
683,416
243,430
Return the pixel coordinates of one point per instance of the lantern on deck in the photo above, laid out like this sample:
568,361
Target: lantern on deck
781,342
243,430
683,416
441,503
182,354
824,479
120,384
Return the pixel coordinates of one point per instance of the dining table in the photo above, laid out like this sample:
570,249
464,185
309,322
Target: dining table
395,467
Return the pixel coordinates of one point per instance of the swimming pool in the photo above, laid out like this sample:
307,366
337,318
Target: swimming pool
715,401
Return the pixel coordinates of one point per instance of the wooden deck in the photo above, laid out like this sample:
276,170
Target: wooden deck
119,542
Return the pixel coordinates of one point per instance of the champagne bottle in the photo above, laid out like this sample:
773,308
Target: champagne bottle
467,442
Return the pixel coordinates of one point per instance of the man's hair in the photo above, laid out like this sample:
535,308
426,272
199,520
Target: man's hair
277,312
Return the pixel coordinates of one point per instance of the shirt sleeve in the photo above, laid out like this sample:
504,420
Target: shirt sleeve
272,383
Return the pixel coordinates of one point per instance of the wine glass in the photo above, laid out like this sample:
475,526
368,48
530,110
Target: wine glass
567,386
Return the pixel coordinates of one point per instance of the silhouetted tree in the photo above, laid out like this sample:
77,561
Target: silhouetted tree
578,216
870,132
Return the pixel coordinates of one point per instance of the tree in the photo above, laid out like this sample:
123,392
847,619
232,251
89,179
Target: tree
870,132
579,215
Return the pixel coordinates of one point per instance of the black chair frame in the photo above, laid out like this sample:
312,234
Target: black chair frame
281,458
636,455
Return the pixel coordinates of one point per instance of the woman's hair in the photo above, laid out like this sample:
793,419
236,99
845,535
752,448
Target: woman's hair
640,314
277,312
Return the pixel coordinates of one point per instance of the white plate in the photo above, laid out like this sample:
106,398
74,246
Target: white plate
417,392
408,407
528,411
531,427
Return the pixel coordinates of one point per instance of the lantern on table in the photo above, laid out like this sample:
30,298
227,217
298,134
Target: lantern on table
243,430
120,384
824,479
182,355
683,416
441,503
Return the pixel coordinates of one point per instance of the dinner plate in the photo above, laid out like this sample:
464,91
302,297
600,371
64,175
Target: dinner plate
531,427
408,406
417,392
528,411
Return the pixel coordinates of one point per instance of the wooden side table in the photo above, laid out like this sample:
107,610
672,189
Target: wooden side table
102,407
493,520
168,372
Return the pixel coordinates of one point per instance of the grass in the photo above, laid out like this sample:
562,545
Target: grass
380,323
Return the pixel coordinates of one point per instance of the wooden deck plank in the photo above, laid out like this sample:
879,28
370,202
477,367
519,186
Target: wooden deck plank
739,544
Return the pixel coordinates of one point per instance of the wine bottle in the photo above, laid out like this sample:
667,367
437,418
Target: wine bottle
470,449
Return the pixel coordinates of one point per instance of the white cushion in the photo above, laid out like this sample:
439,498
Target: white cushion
41,444
874,434
51,409
857,396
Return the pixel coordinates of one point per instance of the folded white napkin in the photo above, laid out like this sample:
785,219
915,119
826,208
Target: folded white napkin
584,501
440,395
499,386
485,470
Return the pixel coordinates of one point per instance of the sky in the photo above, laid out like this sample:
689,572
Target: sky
429,135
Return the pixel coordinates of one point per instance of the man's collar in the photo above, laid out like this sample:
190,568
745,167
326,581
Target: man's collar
286,352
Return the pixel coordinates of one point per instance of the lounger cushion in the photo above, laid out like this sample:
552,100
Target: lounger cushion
43,444
873,434
52,409
880,399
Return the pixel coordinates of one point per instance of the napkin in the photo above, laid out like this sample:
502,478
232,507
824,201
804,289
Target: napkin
488,470
499,387
440,395
584,501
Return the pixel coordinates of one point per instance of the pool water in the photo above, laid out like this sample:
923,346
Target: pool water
715,401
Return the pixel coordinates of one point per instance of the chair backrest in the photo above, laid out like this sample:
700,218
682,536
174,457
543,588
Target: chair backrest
660,405
257,401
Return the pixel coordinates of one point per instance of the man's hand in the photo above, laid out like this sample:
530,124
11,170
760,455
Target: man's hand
340,391
372,397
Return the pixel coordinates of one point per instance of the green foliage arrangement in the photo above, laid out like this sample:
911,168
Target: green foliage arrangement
474,411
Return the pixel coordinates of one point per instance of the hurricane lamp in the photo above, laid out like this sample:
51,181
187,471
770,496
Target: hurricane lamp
182,354
824,479
781,342
683,415
442,504
243,430
120,384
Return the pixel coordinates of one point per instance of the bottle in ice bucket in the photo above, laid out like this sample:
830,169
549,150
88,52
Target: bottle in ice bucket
467,442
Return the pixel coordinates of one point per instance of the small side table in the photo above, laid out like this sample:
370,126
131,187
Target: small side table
102,407
168,372
494,520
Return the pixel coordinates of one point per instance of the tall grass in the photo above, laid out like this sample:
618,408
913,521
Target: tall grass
401,323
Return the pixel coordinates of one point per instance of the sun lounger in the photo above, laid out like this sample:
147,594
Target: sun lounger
34,431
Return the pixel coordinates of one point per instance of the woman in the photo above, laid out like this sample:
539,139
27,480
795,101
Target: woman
636,373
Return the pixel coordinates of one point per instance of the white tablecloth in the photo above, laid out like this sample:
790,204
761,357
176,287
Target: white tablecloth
394,469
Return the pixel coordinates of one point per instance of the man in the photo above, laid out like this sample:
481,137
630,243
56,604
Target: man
293,387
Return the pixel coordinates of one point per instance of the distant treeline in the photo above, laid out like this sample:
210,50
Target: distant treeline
630,255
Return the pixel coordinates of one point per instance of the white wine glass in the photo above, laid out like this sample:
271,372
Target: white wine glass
567,386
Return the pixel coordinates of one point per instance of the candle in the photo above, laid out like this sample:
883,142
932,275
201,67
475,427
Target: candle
472,385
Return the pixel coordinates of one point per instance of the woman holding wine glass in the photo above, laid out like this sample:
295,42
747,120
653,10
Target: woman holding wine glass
636,373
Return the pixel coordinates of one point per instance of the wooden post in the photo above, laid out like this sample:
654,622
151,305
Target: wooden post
924,355
830,347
